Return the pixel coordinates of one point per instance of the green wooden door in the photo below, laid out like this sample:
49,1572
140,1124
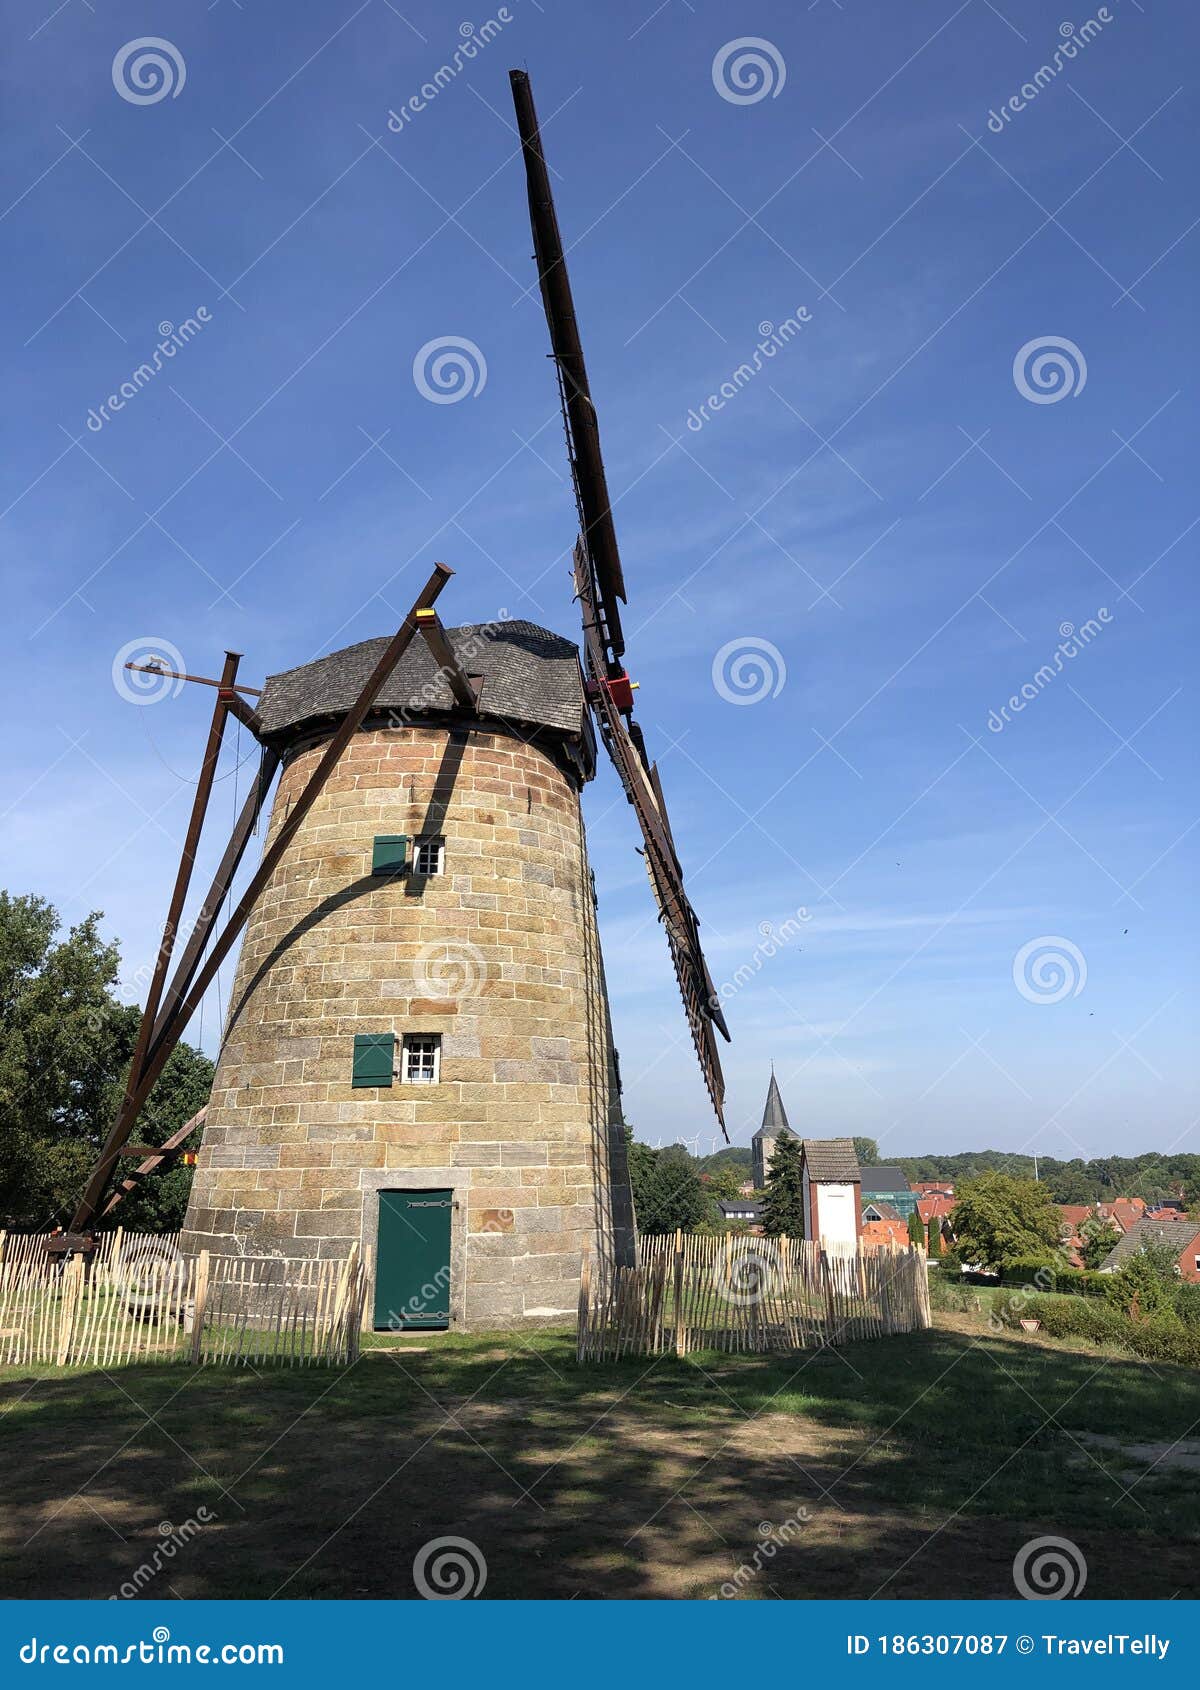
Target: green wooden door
412,1260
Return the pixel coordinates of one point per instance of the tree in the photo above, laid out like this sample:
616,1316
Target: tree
998,1219
935,1235
667,1195
724,1181
65,1045
783,1203
1097,1238
866,1152
1146,1282
916,1229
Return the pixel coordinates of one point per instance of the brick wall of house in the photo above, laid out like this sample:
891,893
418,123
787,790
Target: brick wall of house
499,955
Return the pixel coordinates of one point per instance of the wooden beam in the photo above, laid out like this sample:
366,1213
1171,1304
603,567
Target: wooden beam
466,688
94,1189
210,909
162,1153
349,726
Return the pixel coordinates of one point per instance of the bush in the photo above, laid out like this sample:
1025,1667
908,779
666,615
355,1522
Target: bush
1187,1303
1037,1271
1156,1339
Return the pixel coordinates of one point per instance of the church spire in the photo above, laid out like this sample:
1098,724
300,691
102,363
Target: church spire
774,1114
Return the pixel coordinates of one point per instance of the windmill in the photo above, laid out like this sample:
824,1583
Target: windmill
418,1053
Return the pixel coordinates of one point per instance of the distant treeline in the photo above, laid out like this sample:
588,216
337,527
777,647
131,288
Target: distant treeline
1151,1175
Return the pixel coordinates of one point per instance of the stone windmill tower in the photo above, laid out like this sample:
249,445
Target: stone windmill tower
418,1055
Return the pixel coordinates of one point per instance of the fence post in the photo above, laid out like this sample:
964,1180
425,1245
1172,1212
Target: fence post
201,1302
680,1332
71,1283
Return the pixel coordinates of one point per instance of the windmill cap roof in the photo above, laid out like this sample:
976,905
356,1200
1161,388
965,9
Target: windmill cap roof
531,677
831,1158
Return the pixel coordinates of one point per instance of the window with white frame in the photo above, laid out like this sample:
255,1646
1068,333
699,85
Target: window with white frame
429,856
421,1059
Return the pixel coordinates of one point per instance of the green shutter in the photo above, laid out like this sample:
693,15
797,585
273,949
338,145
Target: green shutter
388,855
374,1059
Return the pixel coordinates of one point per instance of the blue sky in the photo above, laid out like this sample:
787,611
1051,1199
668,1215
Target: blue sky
881,504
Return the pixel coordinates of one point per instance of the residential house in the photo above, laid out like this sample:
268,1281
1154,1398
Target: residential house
885,1233
741,1211
890,1184
1182,1238
933,1188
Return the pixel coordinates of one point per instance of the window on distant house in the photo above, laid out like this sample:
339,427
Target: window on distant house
421,1059
429,856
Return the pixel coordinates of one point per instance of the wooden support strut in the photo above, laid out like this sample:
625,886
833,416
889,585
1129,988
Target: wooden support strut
466,688
183,1011
183,876
155,1157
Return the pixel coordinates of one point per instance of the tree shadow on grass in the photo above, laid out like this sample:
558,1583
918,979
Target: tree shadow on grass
906,1467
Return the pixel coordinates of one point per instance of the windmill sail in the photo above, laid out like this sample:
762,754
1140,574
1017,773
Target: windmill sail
599,585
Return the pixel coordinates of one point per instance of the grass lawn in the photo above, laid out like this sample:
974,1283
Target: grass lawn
924,1463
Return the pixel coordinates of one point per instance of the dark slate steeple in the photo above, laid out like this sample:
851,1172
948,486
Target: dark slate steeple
774,1121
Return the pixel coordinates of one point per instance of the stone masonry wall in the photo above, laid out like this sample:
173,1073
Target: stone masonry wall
499,955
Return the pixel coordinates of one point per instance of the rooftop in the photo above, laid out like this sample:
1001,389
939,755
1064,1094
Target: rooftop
774,1121
831,1159
885,1179
1176,1235
531,677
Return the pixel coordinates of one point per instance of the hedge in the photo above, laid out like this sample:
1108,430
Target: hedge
1163,1338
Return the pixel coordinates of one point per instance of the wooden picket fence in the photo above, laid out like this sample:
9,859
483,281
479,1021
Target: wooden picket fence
690,1292
138,1299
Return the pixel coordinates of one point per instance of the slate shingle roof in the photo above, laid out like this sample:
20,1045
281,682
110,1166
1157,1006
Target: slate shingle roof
831,1159
881,1179
774,1121
531,677
1176,1235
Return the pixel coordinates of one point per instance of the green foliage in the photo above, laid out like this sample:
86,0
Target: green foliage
667,1193
867,1152
1151,1174
1157,1338
783,1203
723,1181
933,1242
916,1229
999,1220
1146,1282
1097,1239
65,1045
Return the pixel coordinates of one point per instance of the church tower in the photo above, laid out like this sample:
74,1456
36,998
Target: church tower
774,1126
